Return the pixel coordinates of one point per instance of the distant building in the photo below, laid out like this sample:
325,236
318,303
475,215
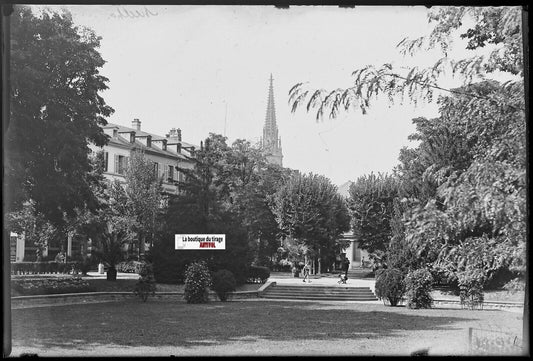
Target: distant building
271,142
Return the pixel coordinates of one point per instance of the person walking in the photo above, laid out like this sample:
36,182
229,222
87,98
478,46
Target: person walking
345,267
307,270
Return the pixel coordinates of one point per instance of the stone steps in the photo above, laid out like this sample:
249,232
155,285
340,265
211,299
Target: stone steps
325,293
359,273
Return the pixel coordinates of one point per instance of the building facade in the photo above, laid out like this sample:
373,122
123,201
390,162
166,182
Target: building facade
167,153
270,141
358,257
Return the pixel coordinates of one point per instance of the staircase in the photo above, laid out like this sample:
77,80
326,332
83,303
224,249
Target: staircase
323,293
359,272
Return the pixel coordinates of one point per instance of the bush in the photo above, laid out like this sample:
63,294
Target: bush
197,283
51,286
471,288
516,285
130,266
146,284
498,278
418,286
390,285
258,274
223,283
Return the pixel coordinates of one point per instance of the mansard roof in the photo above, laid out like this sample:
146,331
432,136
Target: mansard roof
120,141
141,133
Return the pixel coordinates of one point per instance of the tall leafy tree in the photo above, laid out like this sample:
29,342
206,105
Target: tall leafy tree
253,182
309,209
371,205
204,205
497,27
477,218
144,198
56,109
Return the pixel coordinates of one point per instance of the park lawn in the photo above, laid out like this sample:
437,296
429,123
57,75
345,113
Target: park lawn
258,327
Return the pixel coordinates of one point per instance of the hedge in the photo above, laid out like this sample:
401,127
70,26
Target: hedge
44,267
130,267
51,286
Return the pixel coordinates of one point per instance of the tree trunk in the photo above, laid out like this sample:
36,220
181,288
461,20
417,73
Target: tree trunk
112,273
141,244
319,263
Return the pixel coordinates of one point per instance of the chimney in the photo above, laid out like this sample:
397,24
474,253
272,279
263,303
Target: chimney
179,134
136,124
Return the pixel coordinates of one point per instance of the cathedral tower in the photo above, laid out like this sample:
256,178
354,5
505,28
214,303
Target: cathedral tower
271,142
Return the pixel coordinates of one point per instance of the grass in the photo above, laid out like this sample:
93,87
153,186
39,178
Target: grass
258,327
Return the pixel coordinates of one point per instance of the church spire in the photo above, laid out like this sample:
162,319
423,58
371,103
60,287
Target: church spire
271,142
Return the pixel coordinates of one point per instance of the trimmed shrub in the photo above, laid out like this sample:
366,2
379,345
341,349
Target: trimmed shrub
390,285
471,289
223,283
197,283
516,285
51,286
130,267
146,284
258,274
418,287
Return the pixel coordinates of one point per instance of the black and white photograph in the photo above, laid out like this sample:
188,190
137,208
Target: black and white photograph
261,180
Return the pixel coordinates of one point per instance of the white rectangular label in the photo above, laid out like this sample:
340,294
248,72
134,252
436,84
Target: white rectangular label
200,241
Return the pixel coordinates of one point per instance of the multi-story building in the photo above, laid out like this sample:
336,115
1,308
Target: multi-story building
168,153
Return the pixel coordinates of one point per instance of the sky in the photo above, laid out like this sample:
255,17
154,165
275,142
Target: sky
207,68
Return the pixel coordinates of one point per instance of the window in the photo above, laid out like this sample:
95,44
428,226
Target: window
106,161
156,169
170,172
121,162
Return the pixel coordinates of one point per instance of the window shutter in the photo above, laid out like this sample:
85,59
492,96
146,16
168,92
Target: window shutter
106,161
116,170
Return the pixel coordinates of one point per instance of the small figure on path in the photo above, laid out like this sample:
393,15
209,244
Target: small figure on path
306,272
60,257
345,267
342,279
